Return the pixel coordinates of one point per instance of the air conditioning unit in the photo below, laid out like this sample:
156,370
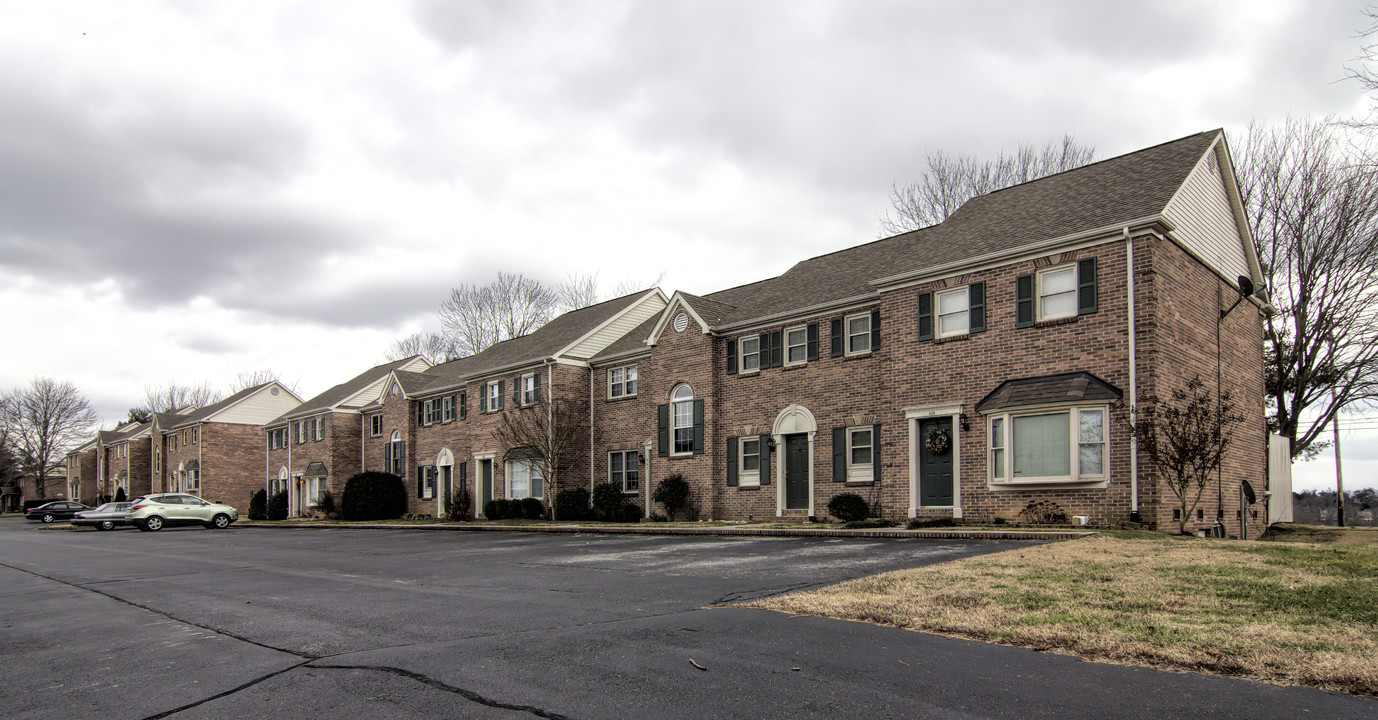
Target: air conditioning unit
1082,520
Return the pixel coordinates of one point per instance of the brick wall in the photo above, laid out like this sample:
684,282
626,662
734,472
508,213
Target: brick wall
231,462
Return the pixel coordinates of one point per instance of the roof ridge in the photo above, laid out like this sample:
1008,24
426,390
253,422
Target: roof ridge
1100,162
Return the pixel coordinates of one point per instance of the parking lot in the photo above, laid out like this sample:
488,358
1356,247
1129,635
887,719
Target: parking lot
259,622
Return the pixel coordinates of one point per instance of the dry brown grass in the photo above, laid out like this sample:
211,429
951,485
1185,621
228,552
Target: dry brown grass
1288,613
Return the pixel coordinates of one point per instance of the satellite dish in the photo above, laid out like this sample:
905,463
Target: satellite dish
1249,492
1246,286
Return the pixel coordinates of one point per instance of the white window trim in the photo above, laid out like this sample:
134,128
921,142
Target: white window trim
1074,455
742,353
492,395
532,471
630,458
375,425
447,408
673,427
626,374
320,428
847,334
748,478
965,291
861,472
529,394
785,334
1038,292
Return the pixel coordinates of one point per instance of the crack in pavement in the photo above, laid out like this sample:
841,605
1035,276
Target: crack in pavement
469,695
227,693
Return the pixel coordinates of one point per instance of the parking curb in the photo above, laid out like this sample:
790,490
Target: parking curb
894,533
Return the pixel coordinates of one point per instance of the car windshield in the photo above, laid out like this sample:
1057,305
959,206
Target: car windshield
106,507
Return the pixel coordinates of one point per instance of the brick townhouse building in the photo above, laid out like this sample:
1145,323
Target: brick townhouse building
130,457
315,447
83,471
216,452
976,369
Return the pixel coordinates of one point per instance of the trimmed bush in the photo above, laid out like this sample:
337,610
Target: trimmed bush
373,496
849,507
867,524
277,506
572,504
120,496
629,513
258,505
607,498
672,493
532,509
493,509
920,523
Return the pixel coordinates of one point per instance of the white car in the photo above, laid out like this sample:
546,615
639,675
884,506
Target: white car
152,513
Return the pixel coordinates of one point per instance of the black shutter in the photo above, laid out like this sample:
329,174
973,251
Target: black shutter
839,454
837,348
976,305
501,390
776,349
463,473
387,457
517,391
1086,286
401,461
698,427
662,430
420,413
1024,301
765,459
875,452
463,401
875,330
812,334
731,357
926,316
420,481
732,461
537,382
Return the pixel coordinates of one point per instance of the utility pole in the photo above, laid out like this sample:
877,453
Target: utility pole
1339,476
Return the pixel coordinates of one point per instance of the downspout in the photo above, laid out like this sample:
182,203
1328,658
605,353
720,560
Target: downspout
1133,381
592,403
200,467
267,463
549,436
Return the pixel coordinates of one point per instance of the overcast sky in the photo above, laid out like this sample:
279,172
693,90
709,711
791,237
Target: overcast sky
191,190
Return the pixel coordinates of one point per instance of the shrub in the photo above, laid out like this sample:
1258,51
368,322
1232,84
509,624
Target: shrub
459,504
277,506
120,496
848,507
532,509
1043,512
673,493
373,496
572,504
493,509
607,498
657,517
920,523
629,513
325,502
258,505
867,524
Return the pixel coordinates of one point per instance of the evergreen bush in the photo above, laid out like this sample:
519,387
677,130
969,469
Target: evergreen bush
120,496
277,506
607,498
258,505
493,509
373,496
672,493
325,502
848,507
572,504
532,509
629,513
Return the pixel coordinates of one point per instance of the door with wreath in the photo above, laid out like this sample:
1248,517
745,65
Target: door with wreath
935,462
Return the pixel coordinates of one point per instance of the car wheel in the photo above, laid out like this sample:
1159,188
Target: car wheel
106,525
219,522
49,517
153,523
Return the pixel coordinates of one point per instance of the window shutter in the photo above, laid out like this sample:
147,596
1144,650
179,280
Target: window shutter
812,334
837,347
1024,301
839,454
976,304
698,427
777,350
387,457
420,413
463,403
517,391
402,452
537,381
420,481
875,330
662,430
1086,286
500,391
463,472
731,357
875,452
732,461
765,459
925,316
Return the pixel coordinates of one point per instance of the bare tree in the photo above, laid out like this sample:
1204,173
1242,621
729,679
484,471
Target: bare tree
1186,439
475,317
952,180
552,433
44,420
579,290
433,346
248,379
1312,201
631,285
1363,70
172,397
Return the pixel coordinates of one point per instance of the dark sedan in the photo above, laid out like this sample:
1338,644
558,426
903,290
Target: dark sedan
57,510
105,517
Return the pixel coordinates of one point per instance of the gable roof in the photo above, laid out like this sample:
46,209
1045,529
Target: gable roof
1102,196
206,413
1059,389
335,396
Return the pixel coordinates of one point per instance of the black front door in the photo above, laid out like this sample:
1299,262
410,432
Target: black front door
485,485
797,472
935,462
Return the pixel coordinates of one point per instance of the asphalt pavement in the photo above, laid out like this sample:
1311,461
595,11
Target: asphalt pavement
261,622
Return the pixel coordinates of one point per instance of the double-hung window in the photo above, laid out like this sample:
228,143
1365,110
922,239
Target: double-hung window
427,489
524,480
1048,446
528,389
1057,292
320,428
623,470
860,453
492,396
622,381
301,432
797,345
682,412
750,349
375,425
749,460
953,313
858,334
447,408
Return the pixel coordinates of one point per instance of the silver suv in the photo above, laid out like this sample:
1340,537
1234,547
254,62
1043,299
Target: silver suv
153,512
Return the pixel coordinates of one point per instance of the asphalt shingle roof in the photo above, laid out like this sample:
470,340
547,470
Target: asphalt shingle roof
329,398
1057,389
215,407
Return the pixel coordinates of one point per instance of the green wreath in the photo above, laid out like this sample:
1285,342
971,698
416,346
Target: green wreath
938,441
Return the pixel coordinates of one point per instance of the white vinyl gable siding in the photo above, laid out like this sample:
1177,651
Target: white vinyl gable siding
258,408
596,341
1205,222
417,364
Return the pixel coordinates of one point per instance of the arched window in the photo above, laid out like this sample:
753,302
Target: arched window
682,419
395,455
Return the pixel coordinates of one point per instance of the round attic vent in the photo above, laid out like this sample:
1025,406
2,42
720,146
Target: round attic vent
275,391
681,322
